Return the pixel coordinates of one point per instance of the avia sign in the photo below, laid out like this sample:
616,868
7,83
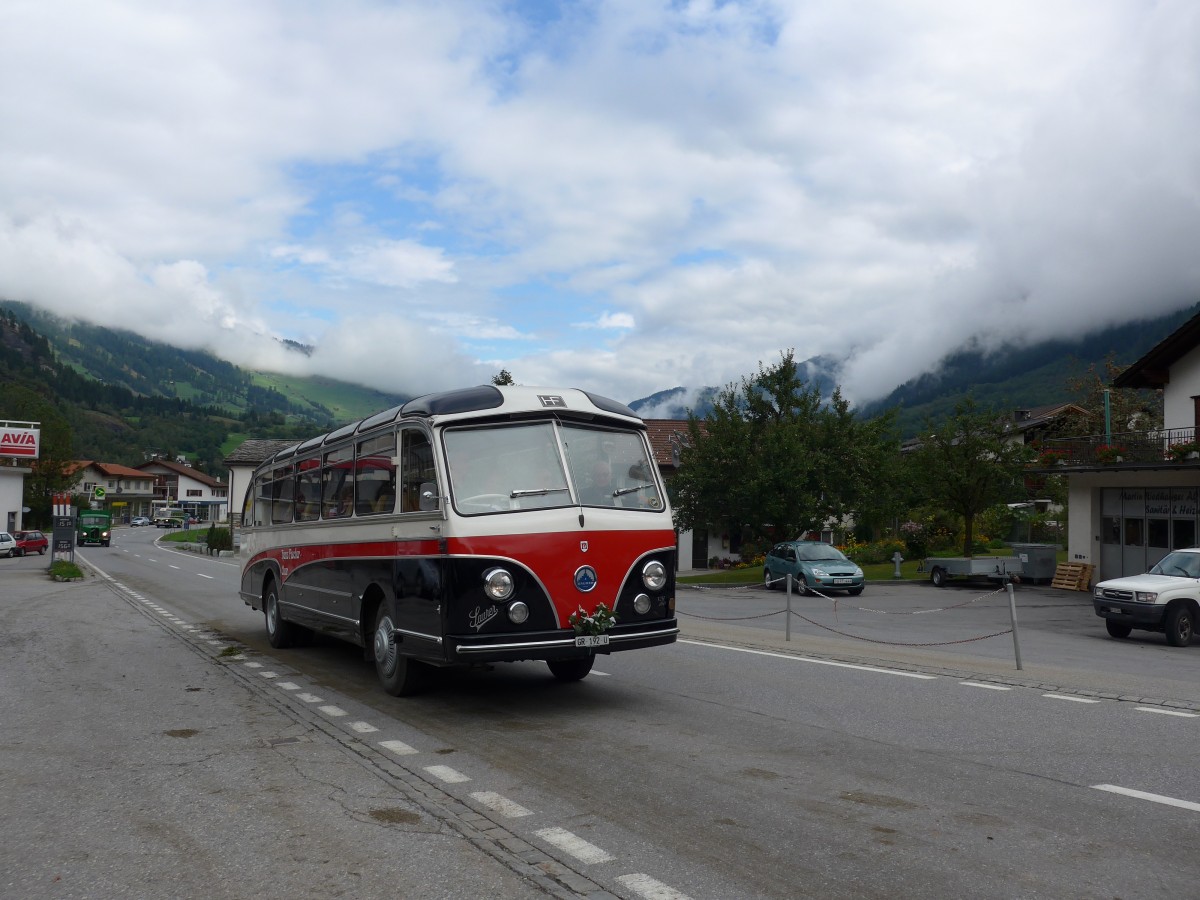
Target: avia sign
20,442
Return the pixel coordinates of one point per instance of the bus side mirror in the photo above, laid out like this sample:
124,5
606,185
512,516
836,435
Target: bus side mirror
429,496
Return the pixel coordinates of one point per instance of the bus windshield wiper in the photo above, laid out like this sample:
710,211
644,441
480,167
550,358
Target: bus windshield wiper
630,490
536,492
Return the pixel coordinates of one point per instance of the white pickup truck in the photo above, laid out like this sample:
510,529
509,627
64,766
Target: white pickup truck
1166,599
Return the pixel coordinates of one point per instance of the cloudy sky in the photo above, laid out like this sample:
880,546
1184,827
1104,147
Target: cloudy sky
623,196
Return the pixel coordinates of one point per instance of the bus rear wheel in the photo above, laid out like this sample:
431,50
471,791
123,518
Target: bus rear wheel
400,675
570,669
281,634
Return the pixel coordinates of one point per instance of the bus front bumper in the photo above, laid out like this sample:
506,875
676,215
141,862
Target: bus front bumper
551,645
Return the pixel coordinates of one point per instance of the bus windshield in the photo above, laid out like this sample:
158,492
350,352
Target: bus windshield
540,465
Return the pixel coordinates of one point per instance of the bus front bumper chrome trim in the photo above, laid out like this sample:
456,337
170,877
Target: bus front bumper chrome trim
561,642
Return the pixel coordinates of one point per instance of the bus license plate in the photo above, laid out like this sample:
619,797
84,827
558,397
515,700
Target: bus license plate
591,640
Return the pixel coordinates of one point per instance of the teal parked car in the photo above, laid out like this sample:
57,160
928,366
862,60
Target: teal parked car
814,566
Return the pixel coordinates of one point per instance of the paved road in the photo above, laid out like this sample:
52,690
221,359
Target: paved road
732,764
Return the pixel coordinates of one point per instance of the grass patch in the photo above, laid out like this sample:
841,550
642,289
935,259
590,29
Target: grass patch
64,570
230,651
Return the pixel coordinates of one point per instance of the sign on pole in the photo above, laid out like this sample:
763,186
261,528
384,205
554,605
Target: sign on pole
20,440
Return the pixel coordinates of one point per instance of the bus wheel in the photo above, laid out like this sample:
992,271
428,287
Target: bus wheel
399,674
280,634
570,669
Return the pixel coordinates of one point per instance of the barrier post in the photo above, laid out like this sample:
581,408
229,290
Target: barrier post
1012,612
787,628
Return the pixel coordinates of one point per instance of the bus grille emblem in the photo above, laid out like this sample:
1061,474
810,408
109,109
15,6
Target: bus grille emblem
585,579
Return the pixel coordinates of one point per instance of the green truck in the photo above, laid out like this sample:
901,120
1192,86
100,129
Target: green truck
94,527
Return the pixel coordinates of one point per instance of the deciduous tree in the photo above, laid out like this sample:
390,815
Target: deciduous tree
773,460
970,461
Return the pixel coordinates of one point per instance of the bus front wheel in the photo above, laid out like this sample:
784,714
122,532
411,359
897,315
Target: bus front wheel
570,669
280,633
400,675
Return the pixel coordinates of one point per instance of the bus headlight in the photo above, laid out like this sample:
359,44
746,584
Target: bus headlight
654,576
518,612
641,604
498,584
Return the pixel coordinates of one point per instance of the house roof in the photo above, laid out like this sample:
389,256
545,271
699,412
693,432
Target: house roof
1154,369
252,452
112,470
181,469
1036,416
667,437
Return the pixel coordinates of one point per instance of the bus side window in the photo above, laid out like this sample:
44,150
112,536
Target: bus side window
308,490
262,500
337,483
416,467
282,491
375,475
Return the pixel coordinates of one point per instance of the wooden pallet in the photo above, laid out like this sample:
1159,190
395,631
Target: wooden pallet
1073,576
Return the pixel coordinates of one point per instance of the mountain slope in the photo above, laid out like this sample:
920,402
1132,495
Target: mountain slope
153,369
1008,379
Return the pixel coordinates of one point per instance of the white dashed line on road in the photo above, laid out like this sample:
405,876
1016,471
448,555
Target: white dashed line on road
502,805
363,727
1168,712
398,747
1153,798
809,659
650,889
334,711
447,774
1069,697
574,845
990,687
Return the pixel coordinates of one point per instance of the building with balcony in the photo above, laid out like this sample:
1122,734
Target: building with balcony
202,495
1133,495
125,492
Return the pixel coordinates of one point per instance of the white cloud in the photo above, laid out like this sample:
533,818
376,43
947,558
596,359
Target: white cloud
878,181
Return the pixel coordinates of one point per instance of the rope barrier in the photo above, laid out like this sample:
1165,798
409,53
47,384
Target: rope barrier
834,600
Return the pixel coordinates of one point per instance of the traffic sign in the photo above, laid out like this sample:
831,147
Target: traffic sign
97,493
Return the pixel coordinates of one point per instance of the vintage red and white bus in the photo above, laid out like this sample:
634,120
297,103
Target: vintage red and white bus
467,527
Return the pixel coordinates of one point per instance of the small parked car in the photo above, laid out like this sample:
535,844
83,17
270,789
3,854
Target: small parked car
1166,599
31,542
8,544
813,565
139,521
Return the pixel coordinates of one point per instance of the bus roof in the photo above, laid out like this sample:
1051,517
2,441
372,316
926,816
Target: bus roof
516,401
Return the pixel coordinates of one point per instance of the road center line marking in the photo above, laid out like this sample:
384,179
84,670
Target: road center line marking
990,687
1069,697
202,575
576,846
1168,712
809,659
1153,798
